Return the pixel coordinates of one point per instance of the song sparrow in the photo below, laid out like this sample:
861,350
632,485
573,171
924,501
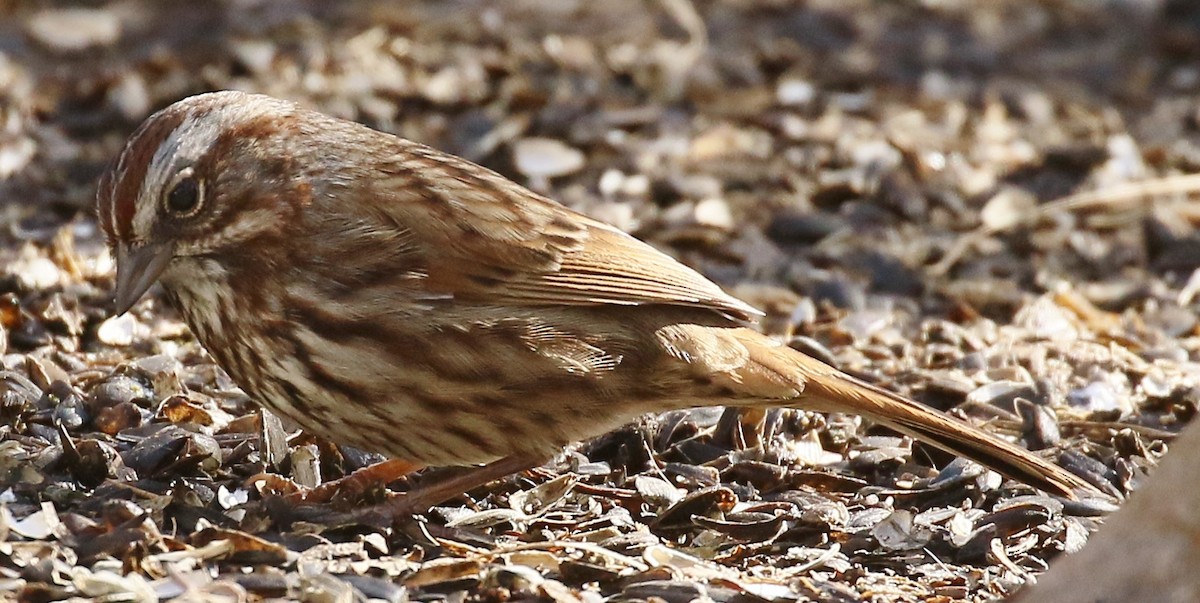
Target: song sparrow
389,296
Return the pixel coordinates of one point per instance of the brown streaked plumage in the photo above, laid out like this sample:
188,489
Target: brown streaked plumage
389,296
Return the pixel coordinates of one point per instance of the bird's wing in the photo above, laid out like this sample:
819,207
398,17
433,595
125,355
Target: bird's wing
488,238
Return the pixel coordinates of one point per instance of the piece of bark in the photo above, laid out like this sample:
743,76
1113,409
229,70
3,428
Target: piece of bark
1147,551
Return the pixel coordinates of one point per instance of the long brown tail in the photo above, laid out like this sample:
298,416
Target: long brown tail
822,387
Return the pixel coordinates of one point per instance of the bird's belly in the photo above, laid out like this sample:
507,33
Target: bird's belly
379,399
435,430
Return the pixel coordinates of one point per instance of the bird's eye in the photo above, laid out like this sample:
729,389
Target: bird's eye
184,197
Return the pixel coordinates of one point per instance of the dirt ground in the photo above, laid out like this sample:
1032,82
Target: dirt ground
985,205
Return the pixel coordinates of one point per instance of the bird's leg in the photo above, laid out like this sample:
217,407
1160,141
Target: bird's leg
444,487
352,486
434,488
741,428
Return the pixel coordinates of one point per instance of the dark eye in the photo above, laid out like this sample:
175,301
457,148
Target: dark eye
185,195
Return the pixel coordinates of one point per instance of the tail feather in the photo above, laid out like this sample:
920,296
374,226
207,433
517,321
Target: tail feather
823,387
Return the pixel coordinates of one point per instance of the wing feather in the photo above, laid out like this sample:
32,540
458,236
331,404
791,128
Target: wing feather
490,239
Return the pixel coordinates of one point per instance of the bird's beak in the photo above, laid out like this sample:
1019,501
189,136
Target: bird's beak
137,269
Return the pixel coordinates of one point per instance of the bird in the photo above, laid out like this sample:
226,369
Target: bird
389,296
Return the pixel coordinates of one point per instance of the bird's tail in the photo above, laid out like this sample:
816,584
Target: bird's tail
822,387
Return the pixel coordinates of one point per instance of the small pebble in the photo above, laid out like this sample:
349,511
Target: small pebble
714,212
73,29
543,158
117,330
795,92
